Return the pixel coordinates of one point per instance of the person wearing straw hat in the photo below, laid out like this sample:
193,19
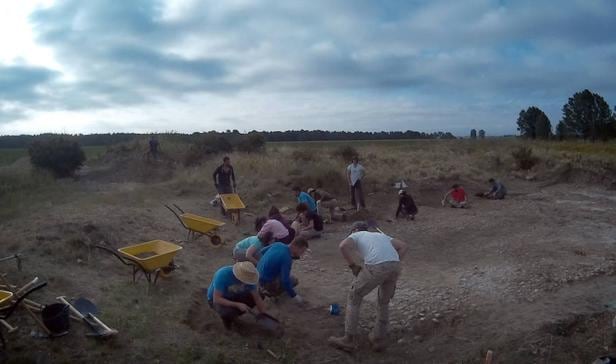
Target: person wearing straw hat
381,268
233,292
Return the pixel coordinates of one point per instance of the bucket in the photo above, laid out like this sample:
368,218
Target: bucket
56,317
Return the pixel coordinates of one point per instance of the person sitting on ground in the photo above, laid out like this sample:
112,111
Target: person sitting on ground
455,197
249,249
303,197
279,231
497,192
233,292
406,206
381,267
275,268
327,201
307,224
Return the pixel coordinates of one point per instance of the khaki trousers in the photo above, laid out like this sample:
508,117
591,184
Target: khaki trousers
384,276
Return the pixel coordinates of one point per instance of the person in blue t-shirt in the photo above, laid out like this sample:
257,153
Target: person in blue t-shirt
249,249
303,197
233,292
275,268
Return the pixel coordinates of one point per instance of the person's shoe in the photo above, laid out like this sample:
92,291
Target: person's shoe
343,343
378,345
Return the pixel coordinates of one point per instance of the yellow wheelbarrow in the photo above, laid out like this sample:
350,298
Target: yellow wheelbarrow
197,226
151,258
232,203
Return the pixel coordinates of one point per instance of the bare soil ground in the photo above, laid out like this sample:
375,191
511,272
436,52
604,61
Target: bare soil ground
530,277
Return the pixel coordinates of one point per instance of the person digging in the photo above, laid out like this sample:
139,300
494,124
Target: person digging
275,268
233,292
381,268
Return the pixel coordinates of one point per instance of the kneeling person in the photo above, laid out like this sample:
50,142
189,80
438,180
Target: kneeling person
275,268
233,292
249,249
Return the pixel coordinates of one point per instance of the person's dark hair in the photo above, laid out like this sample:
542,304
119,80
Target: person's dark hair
226,158
297,189
266,237
455,185
302,207
300,242
259,222
355,158
491,180
273,212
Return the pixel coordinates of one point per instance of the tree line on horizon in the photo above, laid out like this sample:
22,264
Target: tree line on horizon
24,141
586,115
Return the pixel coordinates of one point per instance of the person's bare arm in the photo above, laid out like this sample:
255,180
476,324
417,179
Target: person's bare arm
348,175
250,254
346,249
258,301
400,246
220,300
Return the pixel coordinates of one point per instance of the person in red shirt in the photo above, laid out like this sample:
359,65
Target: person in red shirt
455,197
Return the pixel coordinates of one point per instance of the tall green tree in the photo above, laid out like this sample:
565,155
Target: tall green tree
482,134
587,115
473,134
534,123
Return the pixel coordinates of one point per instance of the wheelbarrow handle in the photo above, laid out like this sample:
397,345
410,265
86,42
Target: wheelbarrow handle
176,214
121,258
6,313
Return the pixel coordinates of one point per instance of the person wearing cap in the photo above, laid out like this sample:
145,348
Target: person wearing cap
308,224
381,268
303,197
406,205
233,291
455,197
355,174
275,268
249,249
324,200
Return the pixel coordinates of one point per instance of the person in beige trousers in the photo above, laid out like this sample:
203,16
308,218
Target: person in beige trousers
381,268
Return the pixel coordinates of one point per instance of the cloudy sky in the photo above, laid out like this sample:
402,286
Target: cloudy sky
193,65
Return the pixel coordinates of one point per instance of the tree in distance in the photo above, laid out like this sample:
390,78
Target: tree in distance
586,115
533,123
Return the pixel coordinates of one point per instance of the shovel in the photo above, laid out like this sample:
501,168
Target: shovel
268,323
85,312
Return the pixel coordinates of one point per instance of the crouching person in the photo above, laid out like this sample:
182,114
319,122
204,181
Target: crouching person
249,249
275,268
381,255
233,292
308,224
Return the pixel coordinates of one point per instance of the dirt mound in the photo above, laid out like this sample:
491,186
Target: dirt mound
130,164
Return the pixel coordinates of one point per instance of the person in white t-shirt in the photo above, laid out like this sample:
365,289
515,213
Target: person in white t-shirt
381,268
355,174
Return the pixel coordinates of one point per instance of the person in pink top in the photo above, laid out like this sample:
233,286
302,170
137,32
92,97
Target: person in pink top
279,231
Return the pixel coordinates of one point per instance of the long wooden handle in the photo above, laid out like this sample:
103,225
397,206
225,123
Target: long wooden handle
8,326
38,321
73,309
26,287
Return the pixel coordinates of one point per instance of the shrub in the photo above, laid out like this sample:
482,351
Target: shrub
346,152
251,143
208,144
61,156
304,155
524,158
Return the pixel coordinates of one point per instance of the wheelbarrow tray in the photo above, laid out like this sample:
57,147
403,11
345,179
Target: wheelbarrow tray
161,253
5,298
200,224
232,201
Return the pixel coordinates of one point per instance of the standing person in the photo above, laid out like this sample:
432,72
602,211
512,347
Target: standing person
455,197
355,174
275,268
406,205
249,249
324,200
303,197
498,190
223,176
308,224
233,292
381,268
154,145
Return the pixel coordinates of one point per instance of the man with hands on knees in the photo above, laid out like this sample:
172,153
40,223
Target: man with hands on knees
381,255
